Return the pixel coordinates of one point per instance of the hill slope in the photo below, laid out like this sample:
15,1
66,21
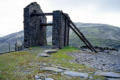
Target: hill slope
12,38
98,34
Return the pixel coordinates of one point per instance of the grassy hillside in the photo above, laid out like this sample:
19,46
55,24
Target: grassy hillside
25,65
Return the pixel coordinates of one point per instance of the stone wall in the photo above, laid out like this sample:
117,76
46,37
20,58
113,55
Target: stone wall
34,33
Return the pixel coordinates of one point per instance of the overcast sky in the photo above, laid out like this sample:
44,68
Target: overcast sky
87,11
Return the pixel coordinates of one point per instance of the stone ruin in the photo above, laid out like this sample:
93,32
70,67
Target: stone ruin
34,33
35,28
35,23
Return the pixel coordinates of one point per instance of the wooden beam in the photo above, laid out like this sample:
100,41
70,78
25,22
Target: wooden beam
42,14
81,36
48,24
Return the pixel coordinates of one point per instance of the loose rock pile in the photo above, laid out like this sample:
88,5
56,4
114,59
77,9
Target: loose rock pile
100,61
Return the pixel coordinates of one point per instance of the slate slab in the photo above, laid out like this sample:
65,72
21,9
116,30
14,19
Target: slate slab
39,77
43,55
76,74
51,69
51,51
108,74
112,79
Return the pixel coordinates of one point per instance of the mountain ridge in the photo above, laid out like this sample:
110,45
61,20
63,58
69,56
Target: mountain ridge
102,35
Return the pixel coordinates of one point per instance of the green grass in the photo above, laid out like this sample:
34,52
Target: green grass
24,65
98,77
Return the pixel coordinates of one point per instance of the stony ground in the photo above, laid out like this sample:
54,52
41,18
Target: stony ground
106,65
65,64
101,61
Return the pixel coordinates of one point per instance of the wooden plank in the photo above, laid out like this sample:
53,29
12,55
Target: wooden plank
42,14
80,37
89,44
48,24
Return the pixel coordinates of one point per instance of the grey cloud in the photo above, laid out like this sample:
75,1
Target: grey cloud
109,5
74,3
101,5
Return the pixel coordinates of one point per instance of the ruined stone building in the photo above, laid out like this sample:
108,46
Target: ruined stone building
35,32
35,23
